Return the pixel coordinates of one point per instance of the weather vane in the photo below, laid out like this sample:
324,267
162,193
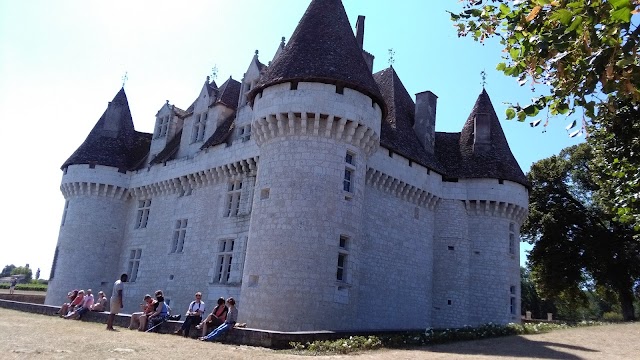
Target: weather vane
124,78
392,55
483,75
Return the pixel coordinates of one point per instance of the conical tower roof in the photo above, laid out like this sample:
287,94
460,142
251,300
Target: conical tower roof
113,141
322,49
495,162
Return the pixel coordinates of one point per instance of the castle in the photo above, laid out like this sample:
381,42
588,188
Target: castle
316,193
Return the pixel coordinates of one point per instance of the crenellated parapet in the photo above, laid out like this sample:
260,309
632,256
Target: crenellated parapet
203,178
315,124
504,209
401,189
78,188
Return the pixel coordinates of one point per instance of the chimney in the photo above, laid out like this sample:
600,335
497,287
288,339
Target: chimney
360,31
424,123
481,133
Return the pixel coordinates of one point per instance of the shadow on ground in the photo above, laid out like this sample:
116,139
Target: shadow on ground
513,347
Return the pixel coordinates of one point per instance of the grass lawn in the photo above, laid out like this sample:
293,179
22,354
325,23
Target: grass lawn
32,336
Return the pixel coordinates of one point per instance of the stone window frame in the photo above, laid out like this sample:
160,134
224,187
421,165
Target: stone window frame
134,263
64,212
244,133
179,234
163,127
512,239
224,261
342,273
199,127
349,172
142,215
232,203
512,300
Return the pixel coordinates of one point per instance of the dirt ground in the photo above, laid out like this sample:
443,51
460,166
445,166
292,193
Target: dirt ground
32,336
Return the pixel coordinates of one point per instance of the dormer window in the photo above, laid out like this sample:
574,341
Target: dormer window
199,125
162,126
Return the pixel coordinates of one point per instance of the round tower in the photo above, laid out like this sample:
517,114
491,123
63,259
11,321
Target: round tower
94,185
317,114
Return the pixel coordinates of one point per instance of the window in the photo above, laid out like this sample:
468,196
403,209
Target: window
512,239
349,171
346,183
349,158
233,198
134,264
512,300
199,126
143,213
179,233
343,254
244,133
225,257
162,127
64,212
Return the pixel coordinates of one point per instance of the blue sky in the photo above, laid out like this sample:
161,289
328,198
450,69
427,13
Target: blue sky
62,61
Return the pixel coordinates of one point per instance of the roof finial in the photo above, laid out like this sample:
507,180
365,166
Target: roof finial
124,78
282,42
392,56
483,75
256,53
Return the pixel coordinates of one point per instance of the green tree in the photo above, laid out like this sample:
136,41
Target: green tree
578,244
6,271
585,52
25,270
531,300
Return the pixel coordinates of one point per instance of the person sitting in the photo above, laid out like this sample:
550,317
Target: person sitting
64,308
77,302
147,307
160,314
193,315
232,318
101,303
215,319
78,311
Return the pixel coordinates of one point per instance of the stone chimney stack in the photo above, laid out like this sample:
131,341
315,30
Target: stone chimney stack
424,123
360,31
368,58
481,133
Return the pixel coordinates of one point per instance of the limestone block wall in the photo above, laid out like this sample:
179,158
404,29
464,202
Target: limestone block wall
395,289
451,274
91,230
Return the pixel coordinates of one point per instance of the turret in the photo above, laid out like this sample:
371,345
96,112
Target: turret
95,187
317,115
476,262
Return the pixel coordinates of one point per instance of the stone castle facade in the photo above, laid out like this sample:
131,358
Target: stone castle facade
316,193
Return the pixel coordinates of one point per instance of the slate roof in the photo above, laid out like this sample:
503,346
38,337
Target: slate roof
322,49
229,93
113,141
222,132
169,151
455,150
397,131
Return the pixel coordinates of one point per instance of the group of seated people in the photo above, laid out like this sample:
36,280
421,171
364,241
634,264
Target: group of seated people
221,319
155,311
80,302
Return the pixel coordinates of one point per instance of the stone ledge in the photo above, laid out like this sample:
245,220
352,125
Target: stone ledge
238,336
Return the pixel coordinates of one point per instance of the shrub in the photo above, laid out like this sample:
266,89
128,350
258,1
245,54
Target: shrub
612,316
26,287
340,346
